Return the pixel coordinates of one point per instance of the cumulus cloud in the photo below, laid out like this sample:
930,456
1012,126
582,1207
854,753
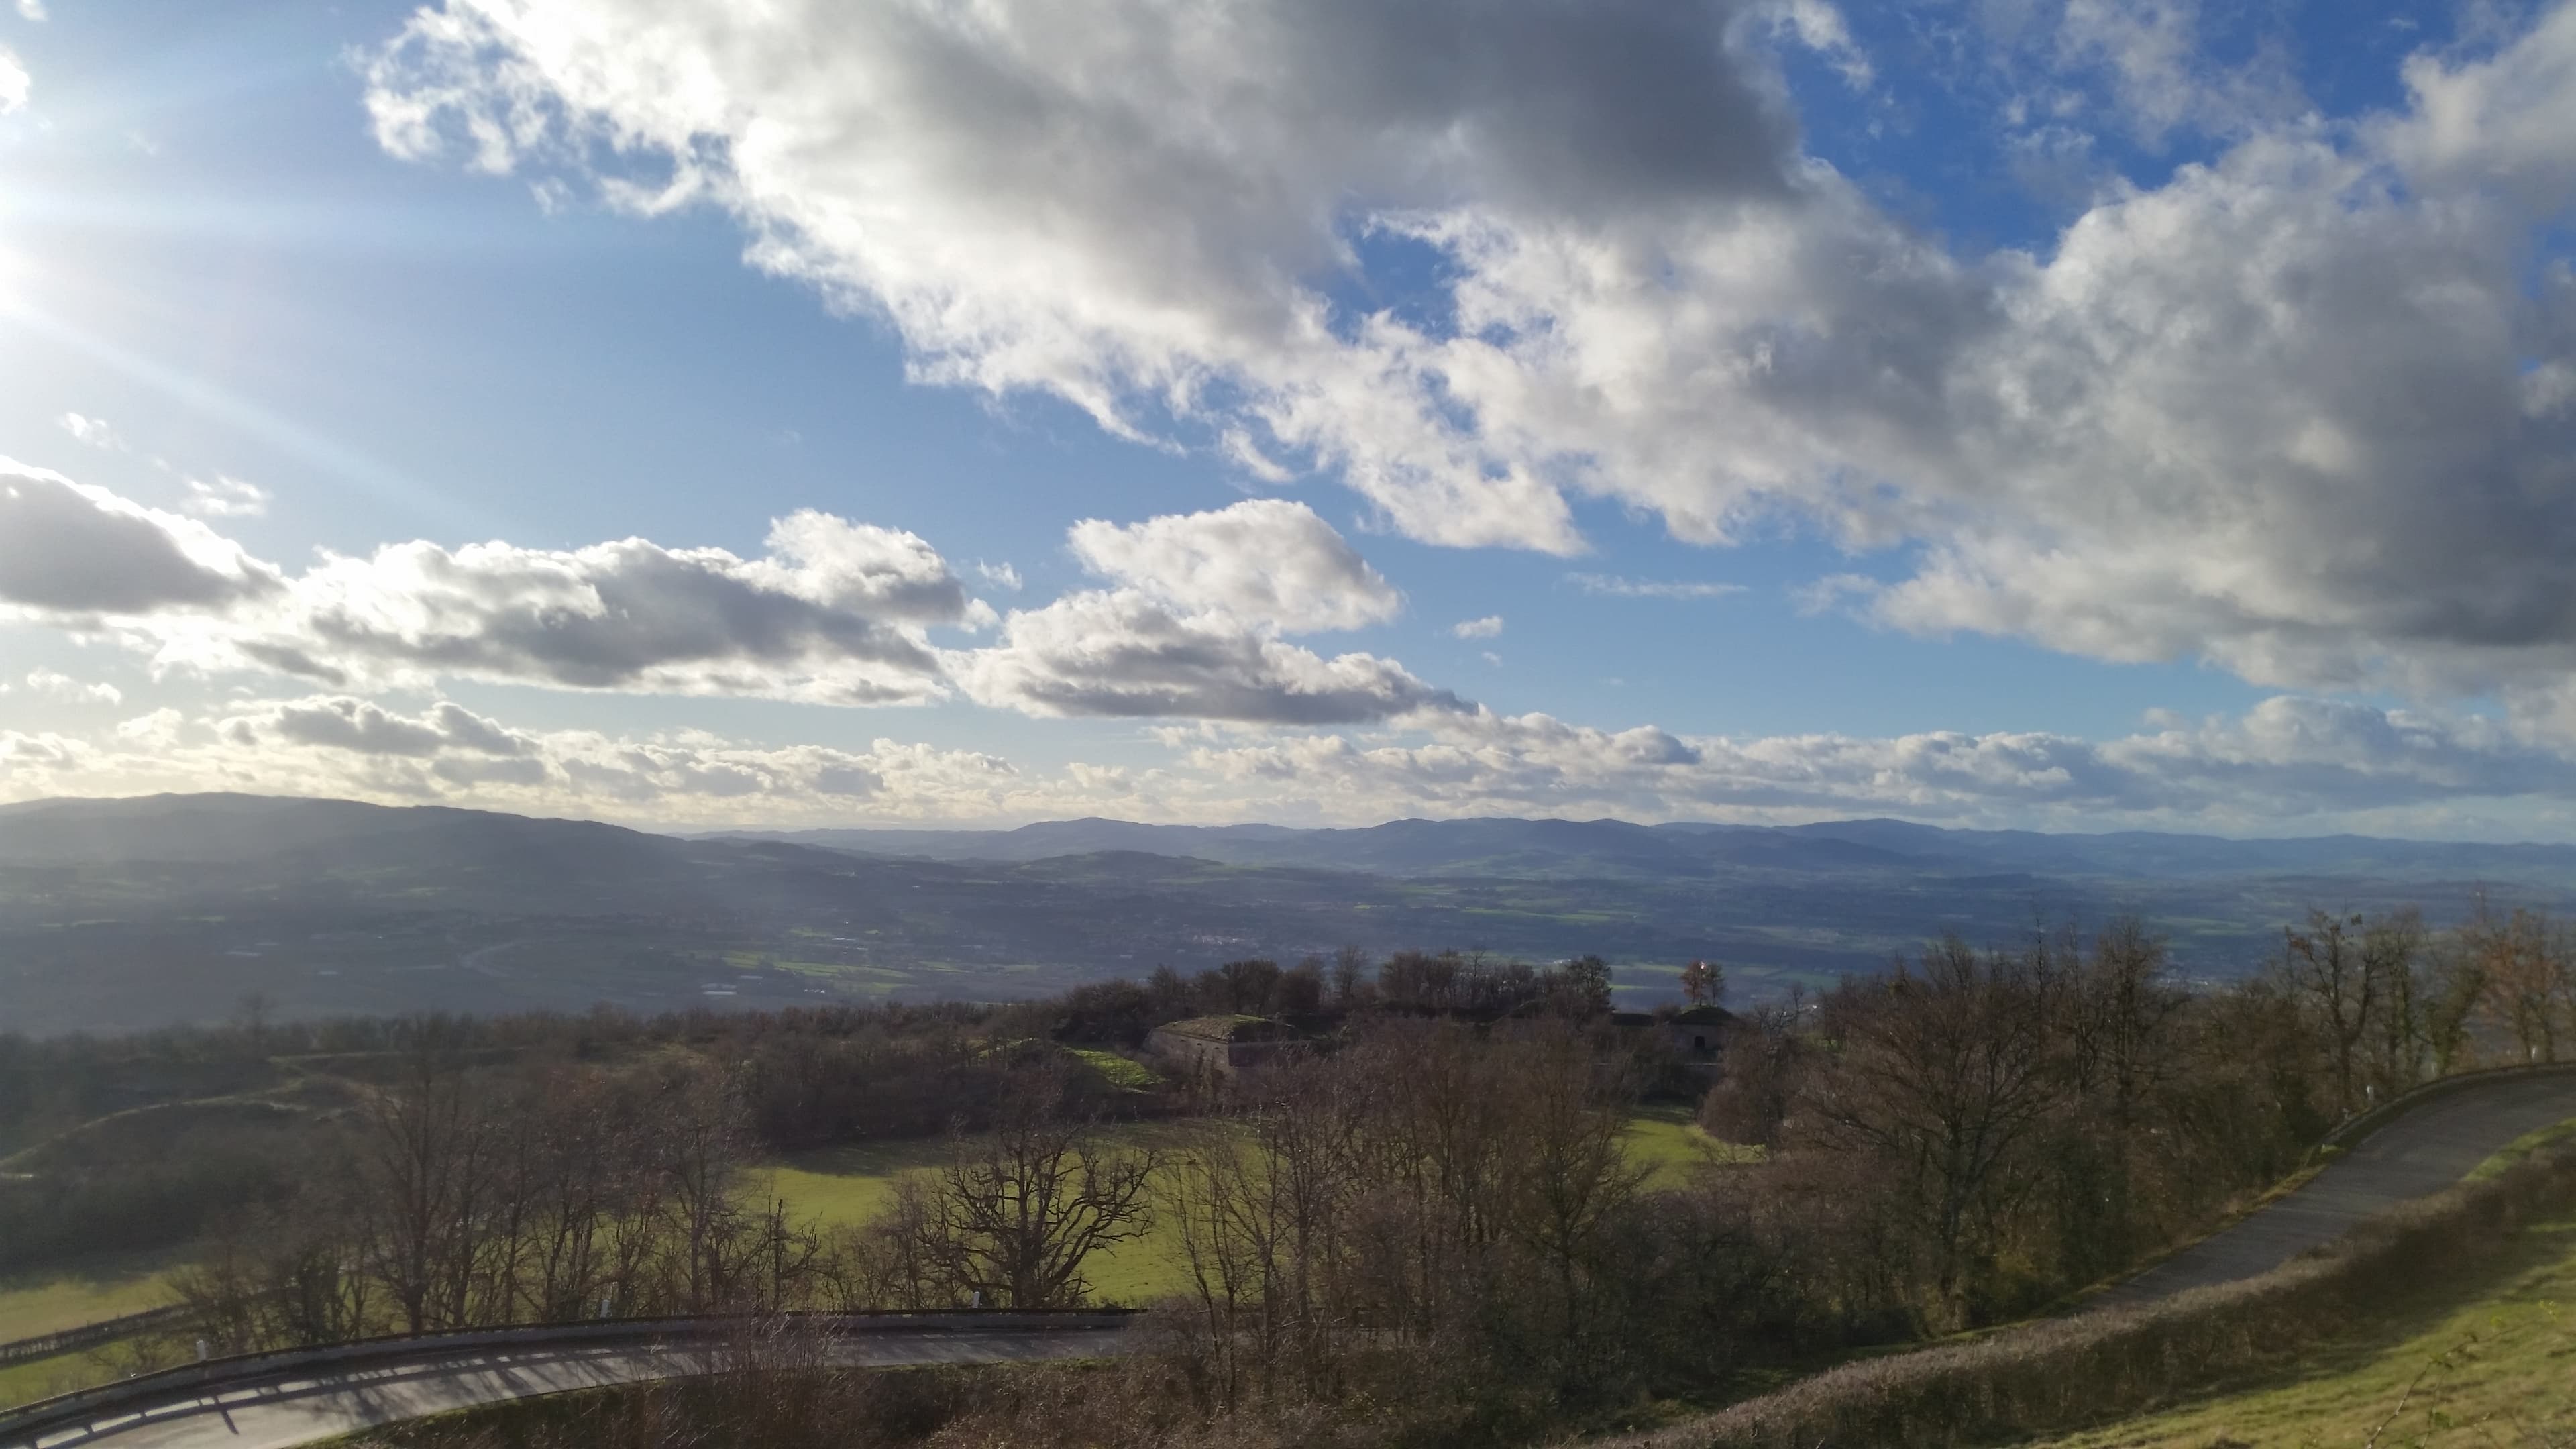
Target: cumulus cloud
1193,630
2291,410
2288,758
1487,627
444,753
93,431
69,552
2289,761
226,497
31,9
53,684
1000,576
833,613
367,728
1198,168
1267,561
1122,654
15,83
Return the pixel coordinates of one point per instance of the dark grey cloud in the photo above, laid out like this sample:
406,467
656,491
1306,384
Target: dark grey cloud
67,549
837,613
367,728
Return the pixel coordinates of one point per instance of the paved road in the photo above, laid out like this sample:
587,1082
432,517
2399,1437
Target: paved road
2423,1151
303,1409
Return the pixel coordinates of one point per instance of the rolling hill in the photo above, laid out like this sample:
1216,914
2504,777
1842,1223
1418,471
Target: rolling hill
118,914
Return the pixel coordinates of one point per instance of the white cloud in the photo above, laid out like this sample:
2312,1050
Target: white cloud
226,497
1121,653
1488,627
93,431
1193,630
362,749
2272,412
835,613
15,83
55,685
31,9
2290,758
1000,576
2289,763
1819,27
1198,167
1267,561
1627,588
72,553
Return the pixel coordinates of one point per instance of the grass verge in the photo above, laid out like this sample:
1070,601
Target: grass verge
2085,1373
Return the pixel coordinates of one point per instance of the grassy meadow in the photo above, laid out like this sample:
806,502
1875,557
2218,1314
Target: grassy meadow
111,1288
832,1187
838,1186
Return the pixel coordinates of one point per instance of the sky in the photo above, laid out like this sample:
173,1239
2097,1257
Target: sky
2062,414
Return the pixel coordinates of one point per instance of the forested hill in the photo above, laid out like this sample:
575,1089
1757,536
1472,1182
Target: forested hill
122,914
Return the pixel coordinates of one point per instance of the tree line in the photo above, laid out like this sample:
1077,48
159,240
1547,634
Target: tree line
1430,1218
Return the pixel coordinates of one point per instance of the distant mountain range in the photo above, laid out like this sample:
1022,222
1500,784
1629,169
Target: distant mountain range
117,914
1580,849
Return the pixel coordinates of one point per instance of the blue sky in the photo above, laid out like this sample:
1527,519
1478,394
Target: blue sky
2072,413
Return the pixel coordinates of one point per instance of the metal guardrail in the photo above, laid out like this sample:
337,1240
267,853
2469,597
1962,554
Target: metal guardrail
86,1407
2362,1124
87,1335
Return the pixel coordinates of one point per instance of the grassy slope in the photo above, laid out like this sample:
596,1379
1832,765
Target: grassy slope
2492,1371
2467,1365
112,1287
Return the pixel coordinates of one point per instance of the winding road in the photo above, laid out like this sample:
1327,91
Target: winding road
2426,1148
280,1400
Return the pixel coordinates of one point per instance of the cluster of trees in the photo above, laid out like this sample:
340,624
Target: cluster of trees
1985,1130
457,1196
1430,1214
1445,983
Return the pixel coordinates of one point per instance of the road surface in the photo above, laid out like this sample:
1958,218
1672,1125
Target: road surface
301,1408
2424,1150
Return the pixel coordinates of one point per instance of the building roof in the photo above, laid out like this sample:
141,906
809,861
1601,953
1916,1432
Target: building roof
1703,1016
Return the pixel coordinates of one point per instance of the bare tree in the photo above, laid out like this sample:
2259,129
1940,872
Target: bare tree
1945,1070
1018,1211
1704,983
424,1149
2329,973
2525,973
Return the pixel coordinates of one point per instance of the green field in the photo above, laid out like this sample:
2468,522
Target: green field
833,1187
35,1305
840,1186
